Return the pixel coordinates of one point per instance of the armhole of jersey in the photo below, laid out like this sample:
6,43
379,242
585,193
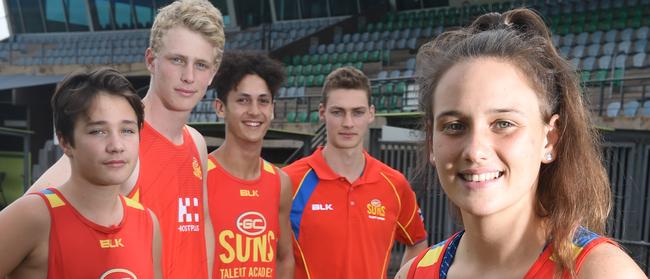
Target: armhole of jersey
415,262
588,247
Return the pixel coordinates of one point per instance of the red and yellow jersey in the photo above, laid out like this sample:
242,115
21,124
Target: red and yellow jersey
346,230
170,183
79,248
434,262
244,216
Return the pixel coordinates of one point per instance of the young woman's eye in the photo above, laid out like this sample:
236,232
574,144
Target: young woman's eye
503,124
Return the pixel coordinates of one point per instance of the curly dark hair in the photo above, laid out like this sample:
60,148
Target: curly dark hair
237,64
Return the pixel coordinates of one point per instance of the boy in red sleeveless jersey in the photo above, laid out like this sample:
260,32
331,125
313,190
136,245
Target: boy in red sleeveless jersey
84,228
249,198
348,207
186,45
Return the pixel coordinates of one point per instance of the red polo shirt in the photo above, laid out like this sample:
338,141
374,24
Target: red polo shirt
346,230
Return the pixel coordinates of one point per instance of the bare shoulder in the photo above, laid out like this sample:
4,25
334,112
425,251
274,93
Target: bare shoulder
196,136
286,187
609,261
27,209
404,270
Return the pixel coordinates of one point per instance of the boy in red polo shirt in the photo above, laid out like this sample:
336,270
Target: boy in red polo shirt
348,207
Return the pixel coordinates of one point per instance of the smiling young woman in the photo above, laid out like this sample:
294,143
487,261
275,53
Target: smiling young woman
516,153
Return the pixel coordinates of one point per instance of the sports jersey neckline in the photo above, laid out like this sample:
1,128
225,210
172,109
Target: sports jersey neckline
98,227
223,171
146,125
324,172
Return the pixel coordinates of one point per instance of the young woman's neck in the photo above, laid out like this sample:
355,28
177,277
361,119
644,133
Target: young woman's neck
511,240
348,162
168,123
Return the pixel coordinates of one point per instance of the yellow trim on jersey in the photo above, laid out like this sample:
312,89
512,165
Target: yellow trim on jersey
136,196
399,201
406,233
55,201
431,257
300,184
211,165
576,252
132,203
413,214
302,255
268,167
387,256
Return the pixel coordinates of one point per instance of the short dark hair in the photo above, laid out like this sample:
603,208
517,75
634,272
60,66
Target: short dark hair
345,78
74,96
238,64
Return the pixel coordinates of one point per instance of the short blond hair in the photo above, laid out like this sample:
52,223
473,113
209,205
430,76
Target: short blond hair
197,15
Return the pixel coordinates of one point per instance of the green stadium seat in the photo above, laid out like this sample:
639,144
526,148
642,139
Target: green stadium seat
319,80
291,117
585,75
324,58
300,81
297,70
400,88
291,80
305,59
316,69
314,59
389,88
295,60
358,65
374,56
334,58
327,68
306,70
363,56
343,58
600,75
302,117
314,117
309,81
353,57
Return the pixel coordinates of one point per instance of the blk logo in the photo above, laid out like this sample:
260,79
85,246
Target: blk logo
322,207
188,210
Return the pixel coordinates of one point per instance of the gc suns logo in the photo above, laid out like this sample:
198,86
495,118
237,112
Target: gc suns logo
118,273
251,223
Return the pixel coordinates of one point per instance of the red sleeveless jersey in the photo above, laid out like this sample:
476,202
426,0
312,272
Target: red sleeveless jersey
170,184
244,215
434,262
79,248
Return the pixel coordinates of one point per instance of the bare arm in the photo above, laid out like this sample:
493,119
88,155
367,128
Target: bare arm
24,238
202,148
609,261
404,270
413,250
55,176
285,262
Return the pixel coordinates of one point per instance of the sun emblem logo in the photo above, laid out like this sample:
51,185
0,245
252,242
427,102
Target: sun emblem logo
197,168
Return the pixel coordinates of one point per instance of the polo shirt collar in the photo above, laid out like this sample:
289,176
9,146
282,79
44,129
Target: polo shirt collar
324,172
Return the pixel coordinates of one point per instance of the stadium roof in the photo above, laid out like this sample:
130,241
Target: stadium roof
22,80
